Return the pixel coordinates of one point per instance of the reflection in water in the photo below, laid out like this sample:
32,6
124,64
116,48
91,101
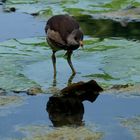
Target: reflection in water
67,107
83,90
69,80
54,81
65,111
105,28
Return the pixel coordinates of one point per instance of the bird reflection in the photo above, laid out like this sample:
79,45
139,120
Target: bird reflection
65,111
69,80
67,107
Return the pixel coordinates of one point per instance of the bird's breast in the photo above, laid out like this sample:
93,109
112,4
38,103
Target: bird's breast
58,46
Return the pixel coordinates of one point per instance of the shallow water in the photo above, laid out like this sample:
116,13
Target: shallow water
110,56
18,22
104,115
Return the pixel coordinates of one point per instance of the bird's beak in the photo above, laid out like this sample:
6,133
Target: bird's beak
81,43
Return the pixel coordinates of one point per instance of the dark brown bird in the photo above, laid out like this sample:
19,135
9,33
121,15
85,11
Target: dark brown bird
63,33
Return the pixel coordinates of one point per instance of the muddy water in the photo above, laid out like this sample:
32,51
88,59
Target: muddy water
112,53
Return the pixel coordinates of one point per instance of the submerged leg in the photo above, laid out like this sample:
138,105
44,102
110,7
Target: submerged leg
71,79
54,63
69,53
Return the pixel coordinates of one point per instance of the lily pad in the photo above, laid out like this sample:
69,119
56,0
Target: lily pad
21,1
119,4
117,61
14,55
123,16
42,8
113,62
105,76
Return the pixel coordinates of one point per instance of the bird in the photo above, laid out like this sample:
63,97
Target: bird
63,32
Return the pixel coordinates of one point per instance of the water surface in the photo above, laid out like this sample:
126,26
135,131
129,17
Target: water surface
110,56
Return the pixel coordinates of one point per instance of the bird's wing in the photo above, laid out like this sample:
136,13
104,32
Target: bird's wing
55,36
62,24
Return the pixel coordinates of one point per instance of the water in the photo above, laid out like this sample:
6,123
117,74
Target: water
112,53
18,22
104,115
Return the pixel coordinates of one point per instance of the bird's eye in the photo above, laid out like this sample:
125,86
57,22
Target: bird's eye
75,38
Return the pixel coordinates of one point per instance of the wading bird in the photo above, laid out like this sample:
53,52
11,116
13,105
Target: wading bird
63,33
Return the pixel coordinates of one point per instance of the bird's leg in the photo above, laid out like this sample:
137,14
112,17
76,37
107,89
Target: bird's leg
54,63
69,53
70,79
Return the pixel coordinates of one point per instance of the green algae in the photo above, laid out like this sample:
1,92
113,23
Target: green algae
104,76
119,4
113,56
13,59
74,7
109,61
21,1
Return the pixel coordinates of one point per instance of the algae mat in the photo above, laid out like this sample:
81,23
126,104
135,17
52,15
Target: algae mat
27,62
74,7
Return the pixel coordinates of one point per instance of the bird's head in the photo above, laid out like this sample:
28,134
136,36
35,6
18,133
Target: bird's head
75,38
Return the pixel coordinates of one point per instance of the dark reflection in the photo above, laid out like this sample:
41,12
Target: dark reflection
83,90
65,111
67,108
68,83
71,79
54,81
104,28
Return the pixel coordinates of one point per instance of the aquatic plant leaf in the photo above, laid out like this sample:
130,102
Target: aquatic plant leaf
22,1
119,4
104,76
45,9
15,54
118,58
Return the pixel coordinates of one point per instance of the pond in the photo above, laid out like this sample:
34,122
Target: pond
108,117
110,56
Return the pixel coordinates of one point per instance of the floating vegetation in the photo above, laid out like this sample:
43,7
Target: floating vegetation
104,76
72,7
44,133
110,56
133,124
9,103
6,100
14,54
